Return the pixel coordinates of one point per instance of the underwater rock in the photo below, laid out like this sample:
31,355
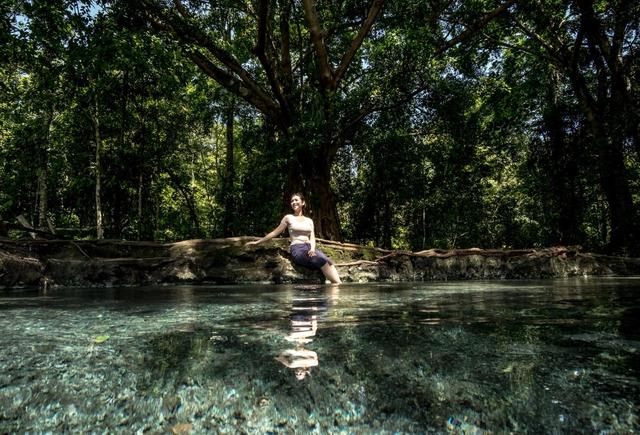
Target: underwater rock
109,263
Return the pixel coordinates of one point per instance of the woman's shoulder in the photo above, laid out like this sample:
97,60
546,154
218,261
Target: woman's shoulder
287,219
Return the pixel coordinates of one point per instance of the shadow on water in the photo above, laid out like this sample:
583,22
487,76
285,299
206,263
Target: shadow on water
554,356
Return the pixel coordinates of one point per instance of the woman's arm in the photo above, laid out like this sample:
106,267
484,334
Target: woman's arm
279,229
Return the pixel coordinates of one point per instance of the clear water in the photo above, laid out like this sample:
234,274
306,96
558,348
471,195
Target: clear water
466,357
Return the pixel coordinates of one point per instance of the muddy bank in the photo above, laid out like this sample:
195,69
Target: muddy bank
52,263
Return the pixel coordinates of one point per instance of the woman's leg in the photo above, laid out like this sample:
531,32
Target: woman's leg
300,254
331,273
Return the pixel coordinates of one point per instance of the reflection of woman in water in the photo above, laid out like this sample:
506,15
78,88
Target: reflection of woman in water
299,359
303,240
304,324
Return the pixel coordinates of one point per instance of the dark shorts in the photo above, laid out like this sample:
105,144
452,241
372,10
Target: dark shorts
300,254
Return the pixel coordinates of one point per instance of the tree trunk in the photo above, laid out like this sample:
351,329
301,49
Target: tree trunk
311,175
98,170
43,172
615,185
386,220
140,211
42,196
603,226
325,214
564,170
229,176
635,137
607,144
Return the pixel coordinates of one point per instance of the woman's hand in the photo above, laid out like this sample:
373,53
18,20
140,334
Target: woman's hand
253,242
312,253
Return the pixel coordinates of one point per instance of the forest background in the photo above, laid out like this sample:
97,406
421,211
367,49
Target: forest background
407,124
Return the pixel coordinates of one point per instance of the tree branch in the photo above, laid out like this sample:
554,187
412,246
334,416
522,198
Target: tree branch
233,85
189,35
577,78
593,29
374,10
473,29
518,48
621,17
285,46
260,51
553,51
350,127
598,38
317,40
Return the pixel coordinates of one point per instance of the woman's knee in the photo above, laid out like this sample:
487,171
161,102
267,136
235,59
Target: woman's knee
318,261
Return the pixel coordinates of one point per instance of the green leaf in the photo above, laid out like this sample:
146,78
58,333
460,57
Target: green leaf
100,339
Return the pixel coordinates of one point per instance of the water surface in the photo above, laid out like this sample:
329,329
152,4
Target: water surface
468,357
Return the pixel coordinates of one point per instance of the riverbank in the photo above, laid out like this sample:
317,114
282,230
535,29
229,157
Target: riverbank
107,263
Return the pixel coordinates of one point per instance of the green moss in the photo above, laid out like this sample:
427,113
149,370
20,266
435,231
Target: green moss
343,255
368,254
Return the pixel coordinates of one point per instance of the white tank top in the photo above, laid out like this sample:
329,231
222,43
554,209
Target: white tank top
299,229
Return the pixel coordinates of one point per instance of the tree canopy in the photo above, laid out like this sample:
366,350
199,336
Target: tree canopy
406,124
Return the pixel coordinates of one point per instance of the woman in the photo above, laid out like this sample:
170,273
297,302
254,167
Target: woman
303,240
299,359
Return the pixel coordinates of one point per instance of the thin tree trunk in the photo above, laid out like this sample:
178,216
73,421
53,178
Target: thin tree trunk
229,176
424,227
124,95
616,189
98,173
386,221
140,212
635,137
43,173
42,196
604,221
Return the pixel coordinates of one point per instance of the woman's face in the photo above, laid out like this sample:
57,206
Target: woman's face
301,373
296,203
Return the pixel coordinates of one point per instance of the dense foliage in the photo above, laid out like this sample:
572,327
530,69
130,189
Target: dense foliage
408,124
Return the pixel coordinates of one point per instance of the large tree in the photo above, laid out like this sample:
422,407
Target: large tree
314,69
